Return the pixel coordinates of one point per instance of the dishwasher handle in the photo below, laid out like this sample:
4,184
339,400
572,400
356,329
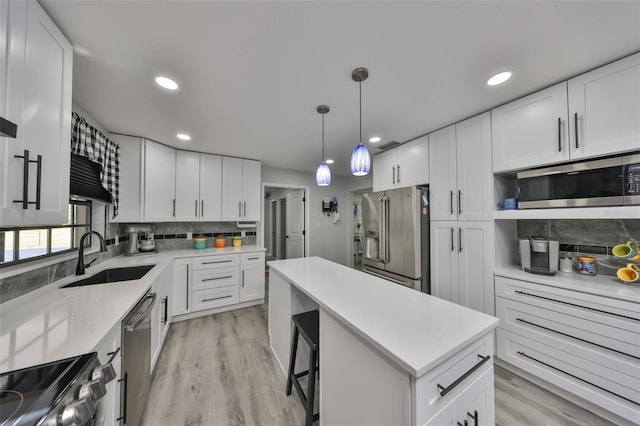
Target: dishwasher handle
131,326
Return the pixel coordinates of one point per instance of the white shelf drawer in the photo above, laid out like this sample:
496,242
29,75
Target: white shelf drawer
577,375
430,386
212,278
215,298
578,333
247,259
221,261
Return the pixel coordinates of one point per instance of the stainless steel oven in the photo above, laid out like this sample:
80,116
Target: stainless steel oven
60,393
607,182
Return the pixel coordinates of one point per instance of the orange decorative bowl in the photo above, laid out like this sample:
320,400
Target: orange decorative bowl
221,241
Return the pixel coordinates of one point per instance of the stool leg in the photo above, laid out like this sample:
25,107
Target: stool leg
312,386
292,359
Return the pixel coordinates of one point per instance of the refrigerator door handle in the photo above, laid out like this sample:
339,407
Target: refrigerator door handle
384,229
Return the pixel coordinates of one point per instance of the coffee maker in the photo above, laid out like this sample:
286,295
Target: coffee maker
539,255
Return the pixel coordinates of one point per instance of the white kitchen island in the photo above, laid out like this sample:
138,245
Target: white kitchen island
389,355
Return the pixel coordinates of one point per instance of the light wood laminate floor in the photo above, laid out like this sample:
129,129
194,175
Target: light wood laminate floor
218,370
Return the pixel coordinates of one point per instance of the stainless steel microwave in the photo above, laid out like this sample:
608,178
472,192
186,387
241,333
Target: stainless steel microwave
606,182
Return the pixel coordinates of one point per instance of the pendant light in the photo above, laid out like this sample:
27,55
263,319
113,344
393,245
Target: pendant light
360,158
323,173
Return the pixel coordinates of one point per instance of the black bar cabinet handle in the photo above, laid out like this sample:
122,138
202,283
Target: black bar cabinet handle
187,287
166,310
398,173
202,208
123,416
217,298
217,278
38,180
474,416
444,391
25,180
112,355
393,174
460,240
174,207
452,247
559,135
196,210
575,124
451,200
466,423
459,202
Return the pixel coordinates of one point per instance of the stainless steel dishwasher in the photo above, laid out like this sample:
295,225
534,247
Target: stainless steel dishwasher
136,357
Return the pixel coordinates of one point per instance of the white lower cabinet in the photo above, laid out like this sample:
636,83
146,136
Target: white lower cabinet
462,263
585,344
160,314
181,291
108,411
473,406
215,298
252,280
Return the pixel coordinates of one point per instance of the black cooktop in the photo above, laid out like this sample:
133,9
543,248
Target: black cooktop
28,395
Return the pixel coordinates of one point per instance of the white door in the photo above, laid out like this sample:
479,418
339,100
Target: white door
231,189
251,190
474,177
384,170
159,183
442,174
531,131
444,260
182,277
295,231
475,274
187,186
413,160
606,102
210,187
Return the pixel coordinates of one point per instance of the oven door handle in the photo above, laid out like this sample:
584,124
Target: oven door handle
145,314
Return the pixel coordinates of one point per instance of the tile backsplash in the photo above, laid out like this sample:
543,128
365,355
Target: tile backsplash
169,236
593,237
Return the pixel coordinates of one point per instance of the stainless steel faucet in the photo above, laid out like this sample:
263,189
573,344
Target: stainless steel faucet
80,265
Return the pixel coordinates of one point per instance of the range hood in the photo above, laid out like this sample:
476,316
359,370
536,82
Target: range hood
85,179
7,128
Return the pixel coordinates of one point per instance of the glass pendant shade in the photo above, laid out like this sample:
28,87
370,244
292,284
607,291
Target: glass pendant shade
360,161
323,174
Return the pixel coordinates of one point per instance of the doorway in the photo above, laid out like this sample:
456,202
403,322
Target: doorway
285,218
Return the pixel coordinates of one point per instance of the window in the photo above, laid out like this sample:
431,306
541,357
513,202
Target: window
29,243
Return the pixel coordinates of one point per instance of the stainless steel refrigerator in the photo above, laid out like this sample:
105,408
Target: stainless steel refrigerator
396,236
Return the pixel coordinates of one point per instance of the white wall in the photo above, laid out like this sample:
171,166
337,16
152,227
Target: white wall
332,242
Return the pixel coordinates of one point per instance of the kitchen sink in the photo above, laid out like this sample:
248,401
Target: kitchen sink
113,275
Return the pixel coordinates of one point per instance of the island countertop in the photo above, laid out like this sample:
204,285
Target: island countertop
415,330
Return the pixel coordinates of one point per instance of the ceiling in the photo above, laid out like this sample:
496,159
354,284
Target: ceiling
251,73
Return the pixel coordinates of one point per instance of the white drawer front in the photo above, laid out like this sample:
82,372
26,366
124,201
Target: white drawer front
212,278
252,258
579,334
215,298
221,261
447,374
577,375
615,313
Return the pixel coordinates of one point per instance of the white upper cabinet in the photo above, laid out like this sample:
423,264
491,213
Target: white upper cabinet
240,189
131,187
531,131
37,77
198,186
159,183
604,109
594,114
460,184
403,166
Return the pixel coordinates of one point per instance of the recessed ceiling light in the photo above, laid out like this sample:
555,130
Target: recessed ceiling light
183,136
329,161
166,83
499,78
374,139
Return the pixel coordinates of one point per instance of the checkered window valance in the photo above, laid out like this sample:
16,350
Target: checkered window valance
89,142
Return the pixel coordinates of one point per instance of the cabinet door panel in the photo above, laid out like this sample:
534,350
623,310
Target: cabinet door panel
210,187
231,188
384,171
187,186
444,260
525,131
251,178
475,270
474,177
442,174
413,160
449,415
160,180
252,283
478,406
182,277
607,102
